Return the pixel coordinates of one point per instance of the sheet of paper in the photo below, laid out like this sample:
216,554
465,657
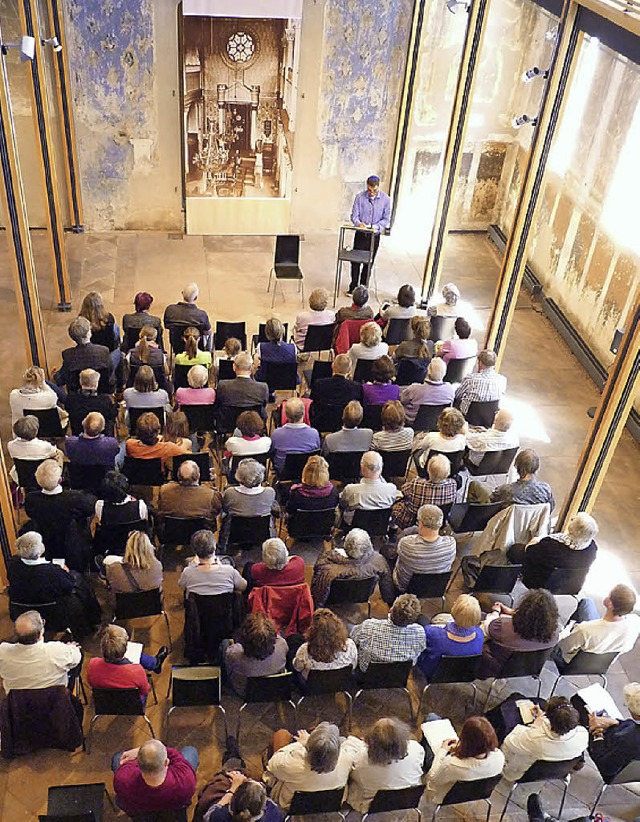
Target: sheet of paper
597,699
134,649
58,561
525,706
437,731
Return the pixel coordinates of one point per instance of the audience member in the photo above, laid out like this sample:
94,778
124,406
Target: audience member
142,303
395,436
85,355
245,801
114,670
461,635
104,329
294,437
483,385
33,395
116,506
31,663
252,439
397,638
532,626
372,493
419,349
186,312
381,388
231,348
433,391
80,403
422,549
356,560
614,743
462,346
500,437
337,390
176,430
258,651
404,308
370,346
572,550
315,492
318,314
61,516
147,351
147,445
392,760
527,490
247,499
199,392
153,779
350,438
450,437
186,497
145,392
28,446
205,573
316,761
327,646
241,392
193,354
439,490
138,570
277,567
617,631
359,308
275,350
554,736
92,447
451,305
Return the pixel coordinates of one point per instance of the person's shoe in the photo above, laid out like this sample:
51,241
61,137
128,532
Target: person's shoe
162,654
348,292
534,808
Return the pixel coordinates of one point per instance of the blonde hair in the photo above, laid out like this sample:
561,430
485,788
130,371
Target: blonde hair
370,335
147,334
191,337
318,299
438,468
93,309
316,472
139,551
466,611
113,643
451,422
34,376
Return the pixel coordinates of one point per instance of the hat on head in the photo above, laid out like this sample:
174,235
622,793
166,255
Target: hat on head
451,288
142,301
632,697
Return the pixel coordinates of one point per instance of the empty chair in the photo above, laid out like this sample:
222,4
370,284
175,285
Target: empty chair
398,331
35,718
630,773
275,688
585,664
383,676
196,686
471,791
308,803
319,338
76,803
286,263
410,371
457,370
138,604
396,799
352,592
482,413
545,771
454,670
143,472
429,586
225,330
374,522
307,525
394,463
427,417
49,424
442,328
329,682
118,702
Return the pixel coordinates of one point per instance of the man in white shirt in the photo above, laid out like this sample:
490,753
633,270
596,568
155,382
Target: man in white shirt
554,735
617,631
500,437
27,445
33,663
372,492
422,549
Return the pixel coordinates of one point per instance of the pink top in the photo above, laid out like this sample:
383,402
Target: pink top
195,396
458,349
291,574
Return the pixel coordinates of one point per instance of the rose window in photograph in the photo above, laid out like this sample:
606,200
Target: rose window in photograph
240,47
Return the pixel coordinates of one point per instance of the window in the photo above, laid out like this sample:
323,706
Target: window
240,47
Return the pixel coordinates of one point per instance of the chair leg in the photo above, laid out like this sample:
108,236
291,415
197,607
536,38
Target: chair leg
488,801
435,812
504,810
153,689
166,619
598,798
422,696
242,707
298,704
558,678
148,721
224,717
349,709
566,781
406,690
539,686
88,736
273,297
269,283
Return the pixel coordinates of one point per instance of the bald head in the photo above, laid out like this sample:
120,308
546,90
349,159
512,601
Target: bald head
93,424
29,628
503,420
188,473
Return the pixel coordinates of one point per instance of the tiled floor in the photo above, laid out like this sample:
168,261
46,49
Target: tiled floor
551,403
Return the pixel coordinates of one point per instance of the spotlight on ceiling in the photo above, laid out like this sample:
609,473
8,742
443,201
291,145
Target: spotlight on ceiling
452,5
27,46
53,42
533,73
524,120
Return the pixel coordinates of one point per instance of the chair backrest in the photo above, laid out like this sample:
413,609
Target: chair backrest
525,663
134,604
372,417
344,466
362,372
227,417
118,702
86,477
226,370
630,773
287,249
453,669
65,800
180,379
131,337
48,422
394,463
471,791
410,371
262,334
53,613
136,413
225,330
104,387
216,617
235,462
294,464
457,370
351,590
311,524
398,331
176,331
201,458
249,530
497,579
112,537
495,462
178,815
375,523
195,685
326,417
305,803
427,417
566,581
89,816
482,413
329,681
179,530
396,799
158,373
455,459
442,328
143,472
585,662
475,517
543,769
321,370
201,417
281,376
26,471
425,586
386,675
274,688
319,337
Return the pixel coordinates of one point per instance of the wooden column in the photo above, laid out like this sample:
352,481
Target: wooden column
609,420
63,91
515,255
7,520
13,205
40,112
467,72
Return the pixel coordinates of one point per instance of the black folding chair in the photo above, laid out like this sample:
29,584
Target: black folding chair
457,370
322,369
86,477
467,518
394,463
226,370
344,466
455,461
111,538
363,369
49,425
472,791
179,530
310,803
201,418
196,686
427,417
261,336
522,664
372,417
545,771
201,458
410,372
26,471
329,682
454,670
226,330
375,522
281,376
319,338
139,604
294,464
143,472
352,592
104,385
75,803
217,616
235,462
585,664
497,579
307,525
180,378
136,413
566,581
429,586
630,773
493,462
227,417
326,417
286,264
248,531
53,613
482,413
158,373
396,799
398,331
386,676
117,702
274,689
176,333
442,328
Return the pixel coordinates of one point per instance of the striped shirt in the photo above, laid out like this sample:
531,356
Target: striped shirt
417,556
481,386
379,640
400,440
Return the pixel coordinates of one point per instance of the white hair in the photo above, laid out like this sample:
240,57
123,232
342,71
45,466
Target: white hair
582,529
243,361
30,545
274,554
632,697
190,292
371,461
48,475
357,543
437,369
430,516
250,473
197,376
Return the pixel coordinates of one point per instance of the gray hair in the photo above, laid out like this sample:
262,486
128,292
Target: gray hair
188,473
632,697
30,545
29,627
197,376
79,329
582,529
438,468
152,756
436,369
89,378
243,361
371,461
190,292
323,748
294,409
274,554
250,473
27,427
430,516
357,543
48,474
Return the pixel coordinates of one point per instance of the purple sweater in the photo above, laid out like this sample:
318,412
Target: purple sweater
292,439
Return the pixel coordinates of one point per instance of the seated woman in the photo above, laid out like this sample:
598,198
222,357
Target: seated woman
404,309
276,568
206,574
381,388
245,801
104,329
28,446
327,647
392,759
176,430
450,437
247,499
142,303
420,349
318,314
370,346
145,392
192,355
147,351
274,350
316,761
462,346
474,755
459,636
439,490
198,392
114,670
138,570
34,395
250,426
316,492
532,626
232,347
355,560
147,445
258,651
115,504
395,436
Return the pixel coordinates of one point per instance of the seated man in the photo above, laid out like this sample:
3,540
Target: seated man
527,490
338,389
114,670
350,438
614,743
616,631
186,313
359,309
433,391
395,639
422,549
500,437
27,445
372,493
205,574
85,355
243,391
152,778
186,497
31,662
294,437
80,403
484,385
92,447
439,489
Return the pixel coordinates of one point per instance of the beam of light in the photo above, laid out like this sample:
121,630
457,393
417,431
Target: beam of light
527,421
607,570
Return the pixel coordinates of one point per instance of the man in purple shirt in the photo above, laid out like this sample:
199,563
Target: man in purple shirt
92,447
371,209
294,437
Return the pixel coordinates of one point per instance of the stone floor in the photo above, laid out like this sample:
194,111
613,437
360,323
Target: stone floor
550,402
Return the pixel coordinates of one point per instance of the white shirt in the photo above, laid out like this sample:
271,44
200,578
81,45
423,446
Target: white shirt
32,401
479,442
304,663
366,778
239,447
597,636
35,449
288,771
359,351
446,770
368,494
528,743
307,318
40,665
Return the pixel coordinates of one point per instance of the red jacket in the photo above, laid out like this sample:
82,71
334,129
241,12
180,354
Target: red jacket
289,606
101,674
